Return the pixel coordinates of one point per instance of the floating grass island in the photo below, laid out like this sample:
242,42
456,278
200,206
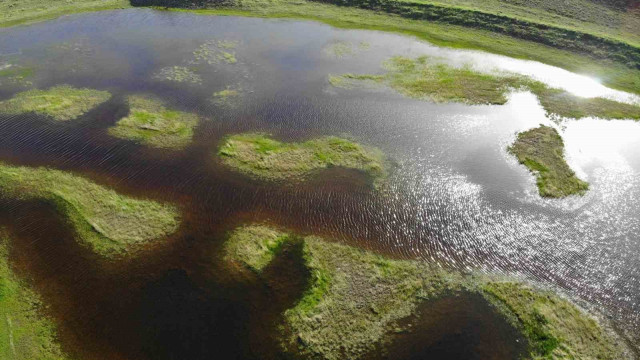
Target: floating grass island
425,79
60,103
180,74
109,223
25,333
151,123
541,150
216,52
264,158
355,298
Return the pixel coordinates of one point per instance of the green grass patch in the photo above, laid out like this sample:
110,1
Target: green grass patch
60,103
229,97
11,74
25,332
341,49
262,157
426,79
180,74
151,123
541,150
105,221
355,299
254,246
554,327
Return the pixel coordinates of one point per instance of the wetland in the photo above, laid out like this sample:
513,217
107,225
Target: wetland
178,186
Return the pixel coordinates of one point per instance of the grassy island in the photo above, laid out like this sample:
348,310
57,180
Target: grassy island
107,222
151,123
423,78
262,157
355,298
541,150
25,333
61,103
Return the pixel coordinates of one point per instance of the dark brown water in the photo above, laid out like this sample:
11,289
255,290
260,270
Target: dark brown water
455,196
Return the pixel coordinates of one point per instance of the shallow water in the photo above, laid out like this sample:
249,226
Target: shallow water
455,196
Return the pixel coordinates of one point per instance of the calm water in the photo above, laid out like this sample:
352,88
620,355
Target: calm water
455,196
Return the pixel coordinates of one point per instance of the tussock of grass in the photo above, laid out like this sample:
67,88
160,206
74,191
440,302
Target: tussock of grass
555,328
25,333
264,158
179,74
355,298
151,123
423,78
61,103
216,52
105,221
541,150
254,246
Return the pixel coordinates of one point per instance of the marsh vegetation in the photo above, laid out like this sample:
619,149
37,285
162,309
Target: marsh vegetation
61,103
108,223
264,158
151,123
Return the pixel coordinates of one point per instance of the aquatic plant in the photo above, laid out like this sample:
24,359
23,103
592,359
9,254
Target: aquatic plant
355,299
109,223
262,157
541,150
426,79
25,332
227,97
11,74
342,49
178,74
151,123
216,52
61,103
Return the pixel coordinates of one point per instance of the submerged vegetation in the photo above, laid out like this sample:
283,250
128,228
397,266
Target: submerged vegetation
541,150
25,333
227,97
262,157
107,222
424,78
11,74
61,103
179,74
151,123
355,299
216,52
341,48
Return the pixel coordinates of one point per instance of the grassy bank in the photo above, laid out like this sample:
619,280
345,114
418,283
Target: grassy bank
262,157
541,150
425,78
151,123
105,221
15,12
60,103
355,298
25,333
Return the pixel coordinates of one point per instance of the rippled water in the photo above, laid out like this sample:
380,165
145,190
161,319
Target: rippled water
455,196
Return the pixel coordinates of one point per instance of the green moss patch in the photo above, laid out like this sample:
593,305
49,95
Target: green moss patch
107,222
61,103
25,333
254,246
355,298
423,78
541,150
178,74
555,328
216,52
265,158
151,123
